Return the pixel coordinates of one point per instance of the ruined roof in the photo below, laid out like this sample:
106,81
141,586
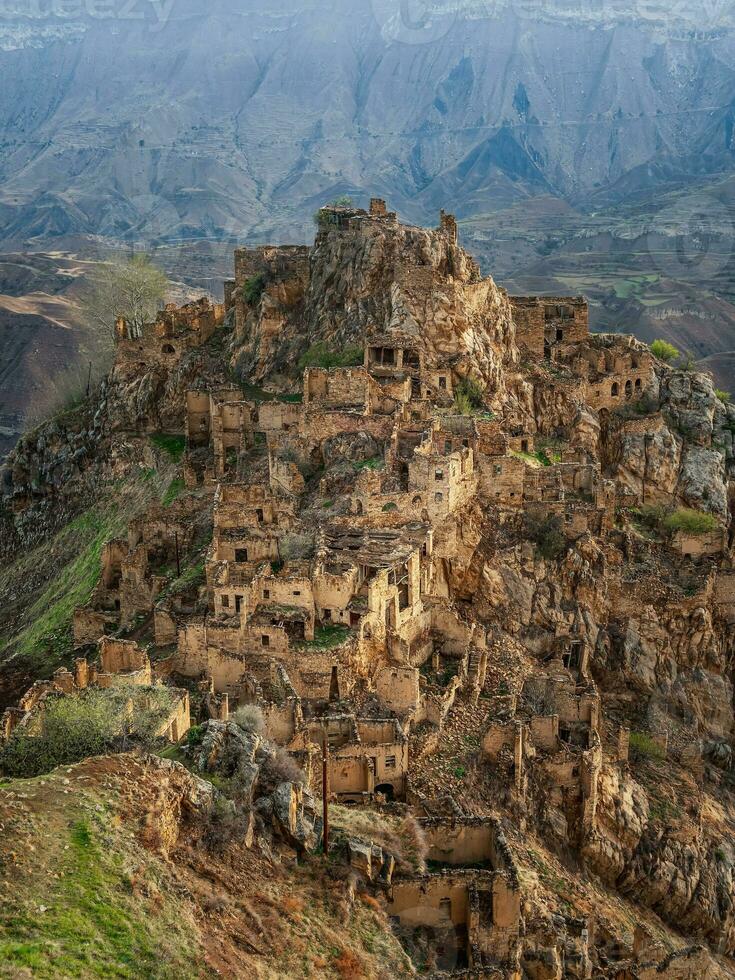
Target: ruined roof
374,547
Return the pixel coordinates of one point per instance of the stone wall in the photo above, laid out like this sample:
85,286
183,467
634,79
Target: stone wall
543,322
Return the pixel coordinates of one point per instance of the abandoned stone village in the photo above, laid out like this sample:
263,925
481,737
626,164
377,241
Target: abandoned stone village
470,561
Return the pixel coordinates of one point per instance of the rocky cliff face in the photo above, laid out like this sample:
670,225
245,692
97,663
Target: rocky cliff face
375,279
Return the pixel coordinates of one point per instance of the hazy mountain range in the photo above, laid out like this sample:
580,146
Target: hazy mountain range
584,147
239,116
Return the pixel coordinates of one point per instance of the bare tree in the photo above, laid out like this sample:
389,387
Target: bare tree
132,288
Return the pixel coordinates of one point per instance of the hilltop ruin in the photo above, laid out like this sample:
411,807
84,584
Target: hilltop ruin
463,518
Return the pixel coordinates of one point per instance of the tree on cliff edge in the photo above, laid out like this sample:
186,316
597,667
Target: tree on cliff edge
132,288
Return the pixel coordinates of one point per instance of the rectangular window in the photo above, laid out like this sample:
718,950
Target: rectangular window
266,593
265,641
390,762
238,603
442,383
439,475
241,554
225,602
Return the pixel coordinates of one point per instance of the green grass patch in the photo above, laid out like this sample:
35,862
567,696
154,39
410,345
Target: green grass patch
634,285
328,636
320,355
258,395
375,463
190,578
642,746
51,580
538,459
51,614
174,446
175,488
88,923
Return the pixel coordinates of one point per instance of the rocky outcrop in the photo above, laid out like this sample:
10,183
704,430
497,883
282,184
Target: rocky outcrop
684,874
375,277
250,764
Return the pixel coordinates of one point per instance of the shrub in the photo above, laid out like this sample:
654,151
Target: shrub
343,201
250,718
462,404
227,823
293,547
320,355
279,768
195,736
74,727
414,849
664,351
472,391
253,289
690,521
547,534
724,396
348,965
651,515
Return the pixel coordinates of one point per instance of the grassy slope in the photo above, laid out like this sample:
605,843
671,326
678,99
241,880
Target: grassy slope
81,906
81,897
49,582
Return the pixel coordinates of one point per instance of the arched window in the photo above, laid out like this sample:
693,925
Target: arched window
637,384
416,501
359,510
168,349
628,388
615,389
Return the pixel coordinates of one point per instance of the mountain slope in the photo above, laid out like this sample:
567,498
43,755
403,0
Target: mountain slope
137,130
